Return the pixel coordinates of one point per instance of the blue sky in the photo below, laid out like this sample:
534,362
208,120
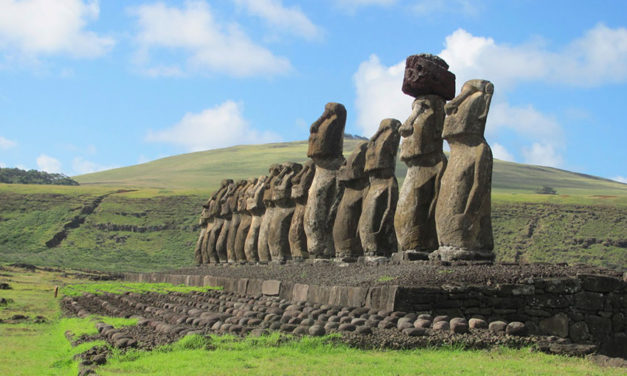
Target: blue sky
88,85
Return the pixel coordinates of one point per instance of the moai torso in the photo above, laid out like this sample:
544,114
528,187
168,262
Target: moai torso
278,237
301,183
235,220
325,149
354,180
225,214
255,206
263,249
463,212
245,220
218,222
376,223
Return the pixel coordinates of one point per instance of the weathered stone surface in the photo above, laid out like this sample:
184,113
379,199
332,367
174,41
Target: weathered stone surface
463,212
422,323
299,292
354,181
579,332
316,330
599,283
271,287
245,220
256,208
428,74
556,325
516,328
441,325
376,224
497,327
421,150
458,325
326,135
278,238
476,323
235,219
263,248
301,183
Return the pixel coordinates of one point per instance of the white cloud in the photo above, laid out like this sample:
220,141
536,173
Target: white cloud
82,166
208,45
2,165
620,179
353,4
46,27
220,126
500,152
428,7
6,143
379,94
542,154
48,164
290,19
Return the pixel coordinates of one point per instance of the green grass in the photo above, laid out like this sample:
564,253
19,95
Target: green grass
122,287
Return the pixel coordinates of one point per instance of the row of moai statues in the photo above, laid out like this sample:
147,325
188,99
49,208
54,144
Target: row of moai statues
344,209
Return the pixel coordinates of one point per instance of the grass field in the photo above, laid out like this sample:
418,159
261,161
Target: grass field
28,348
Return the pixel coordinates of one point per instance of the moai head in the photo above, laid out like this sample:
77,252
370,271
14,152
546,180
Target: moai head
302,180
427,74
353,168
255,200
327,133
224,200
234,199
382,147
467,113
245,194
422,131
282,185
273,173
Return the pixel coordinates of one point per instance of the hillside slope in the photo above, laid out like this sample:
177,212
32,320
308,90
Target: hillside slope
204,170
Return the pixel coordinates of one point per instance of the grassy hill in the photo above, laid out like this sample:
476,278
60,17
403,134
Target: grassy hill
144,217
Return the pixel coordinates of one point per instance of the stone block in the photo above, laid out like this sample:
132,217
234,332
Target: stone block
254,287
427,74
382,298
299,292
242,286
562,285
599,327
579,332
556,325
271,287
286,290
599,283
357,296
589,301
318,294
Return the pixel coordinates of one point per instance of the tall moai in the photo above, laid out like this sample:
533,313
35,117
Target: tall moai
263,249
278,237
235,221
354,181
428,80
256,208
325,149
301,182
376,223
463,212
225,214
203,221
245,220
213,233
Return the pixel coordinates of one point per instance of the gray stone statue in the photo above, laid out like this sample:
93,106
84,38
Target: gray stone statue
463,213
354,181
256,208
225,214
376,223
245,220
301,182
263,249
421,151
235,220
199,254
325,149
278,237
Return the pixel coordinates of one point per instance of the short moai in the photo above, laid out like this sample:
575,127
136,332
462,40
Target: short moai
203,222
428,80
463,212
278,237
263,249
225,214
325,149
301,182
235,221
354,181
256,208
245,220
376,223
213,234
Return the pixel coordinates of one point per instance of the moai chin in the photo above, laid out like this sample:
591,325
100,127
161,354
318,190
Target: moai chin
428,80
325,149
255,206
376,223
463,212
245,220
354,180
300,188
263,249
278,237
235,220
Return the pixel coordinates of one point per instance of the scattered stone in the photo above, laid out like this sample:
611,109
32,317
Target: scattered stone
441,325
415,332
516,328
317,330
476,323
422,323
497,327
458,325
5,286
556,325
346,328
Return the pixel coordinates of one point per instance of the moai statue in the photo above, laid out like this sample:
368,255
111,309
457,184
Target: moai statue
263,249
300,187
213,233
428,80
355,183
235,221
199,255
462,213
225,213
376,223
278,237
245,220
256,208
325,149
